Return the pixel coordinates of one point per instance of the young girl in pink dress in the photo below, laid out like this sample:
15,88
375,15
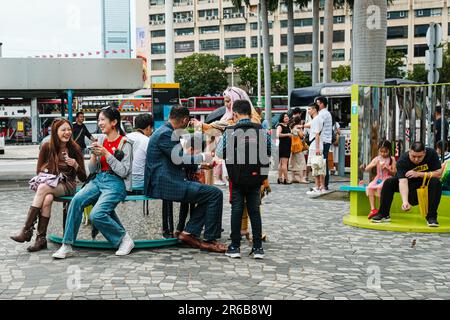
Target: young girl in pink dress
386,168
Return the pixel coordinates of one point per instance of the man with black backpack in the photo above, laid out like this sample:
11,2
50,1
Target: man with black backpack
246,149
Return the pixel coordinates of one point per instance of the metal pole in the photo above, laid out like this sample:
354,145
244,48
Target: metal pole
69,105
341,163
1,44
259,58
170,46
34,121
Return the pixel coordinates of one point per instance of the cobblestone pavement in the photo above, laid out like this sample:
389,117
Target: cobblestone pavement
310,254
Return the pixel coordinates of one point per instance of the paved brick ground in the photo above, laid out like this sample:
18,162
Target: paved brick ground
310,255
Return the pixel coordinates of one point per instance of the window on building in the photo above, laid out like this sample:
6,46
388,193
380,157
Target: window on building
157,17
184,32
299,38
436,12
158,48
391,15
398,32
254,25
401,49
158,33
419,50
235,43
230,58
158,64
233,12
338,36
234,27
184,46
299,57
254,55
420,30
337,55
254,41
210,45
156,2
208,13
212,29
182,17
336,20
298,23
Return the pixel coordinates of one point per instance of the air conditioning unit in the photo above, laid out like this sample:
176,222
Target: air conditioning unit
226,16
189,19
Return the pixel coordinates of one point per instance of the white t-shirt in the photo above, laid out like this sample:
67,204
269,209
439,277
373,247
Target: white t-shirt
327,132
140,143
316,127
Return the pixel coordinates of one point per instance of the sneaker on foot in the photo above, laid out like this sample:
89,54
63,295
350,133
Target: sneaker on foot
258,253
313,191
65,251
432,222
381,218
126,246
233,252
372,213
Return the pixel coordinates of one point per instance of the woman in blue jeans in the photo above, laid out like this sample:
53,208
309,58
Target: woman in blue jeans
111,163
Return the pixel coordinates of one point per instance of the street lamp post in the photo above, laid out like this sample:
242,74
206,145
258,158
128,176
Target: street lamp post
170,47
1,44
259,57
232,74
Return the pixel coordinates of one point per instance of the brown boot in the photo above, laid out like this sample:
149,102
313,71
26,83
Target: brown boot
27,231
41,237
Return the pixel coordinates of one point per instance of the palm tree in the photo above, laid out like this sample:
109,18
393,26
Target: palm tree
266,6
290,42
369,43
327,40
315,35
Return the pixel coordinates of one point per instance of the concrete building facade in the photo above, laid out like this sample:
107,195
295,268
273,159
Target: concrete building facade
215,26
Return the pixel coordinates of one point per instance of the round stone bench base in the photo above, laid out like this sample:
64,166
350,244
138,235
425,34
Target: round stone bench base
145,230
400,222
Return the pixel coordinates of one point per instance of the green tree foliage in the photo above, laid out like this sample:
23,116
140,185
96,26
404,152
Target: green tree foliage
418,74
279,81
394,63
444,76
342,73
201,74
247,68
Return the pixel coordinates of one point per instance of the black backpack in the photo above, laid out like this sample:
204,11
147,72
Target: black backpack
247,160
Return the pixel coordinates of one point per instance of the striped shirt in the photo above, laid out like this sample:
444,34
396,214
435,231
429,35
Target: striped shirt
327,132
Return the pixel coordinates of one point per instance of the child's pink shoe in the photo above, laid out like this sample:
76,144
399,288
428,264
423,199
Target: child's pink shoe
372,213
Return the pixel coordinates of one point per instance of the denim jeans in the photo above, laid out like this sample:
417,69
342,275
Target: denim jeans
207,212
105,191
252,197
326,150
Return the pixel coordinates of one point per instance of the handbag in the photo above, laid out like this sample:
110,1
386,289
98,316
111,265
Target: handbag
44,177
296,145
422,195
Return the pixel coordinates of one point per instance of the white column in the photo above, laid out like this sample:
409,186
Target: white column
170,45
259,58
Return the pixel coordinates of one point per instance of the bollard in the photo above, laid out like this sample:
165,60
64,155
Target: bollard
341,156
2,144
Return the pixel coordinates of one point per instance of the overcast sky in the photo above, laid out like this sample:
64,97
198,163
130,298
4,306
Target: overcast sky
43,27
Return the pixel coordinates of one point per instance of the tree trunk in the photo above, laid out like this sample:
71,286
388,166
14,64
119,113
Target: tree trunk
327,41
316,34
369,42
266,61
290,43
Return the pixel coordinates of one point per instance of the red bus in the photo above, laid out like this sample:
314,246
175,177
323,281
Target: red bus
204,103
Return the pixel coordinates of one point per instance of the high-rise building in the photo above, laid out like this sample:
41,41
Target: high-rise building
116,28
216,26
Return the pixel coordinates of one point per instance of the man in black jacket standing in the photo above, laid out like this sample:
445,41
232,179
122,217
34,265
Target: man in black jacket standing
80,131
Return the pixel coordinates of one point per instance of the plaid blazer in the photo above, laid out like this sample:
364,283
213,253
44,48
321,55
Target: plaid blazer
165,170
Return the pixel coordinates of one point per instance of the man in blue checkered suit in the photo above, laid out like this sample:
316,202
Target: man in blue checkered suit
165,178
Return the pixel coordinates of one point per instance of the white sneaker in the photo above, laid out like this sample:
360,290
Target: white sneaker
65,251
313,192
219,183
126,246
